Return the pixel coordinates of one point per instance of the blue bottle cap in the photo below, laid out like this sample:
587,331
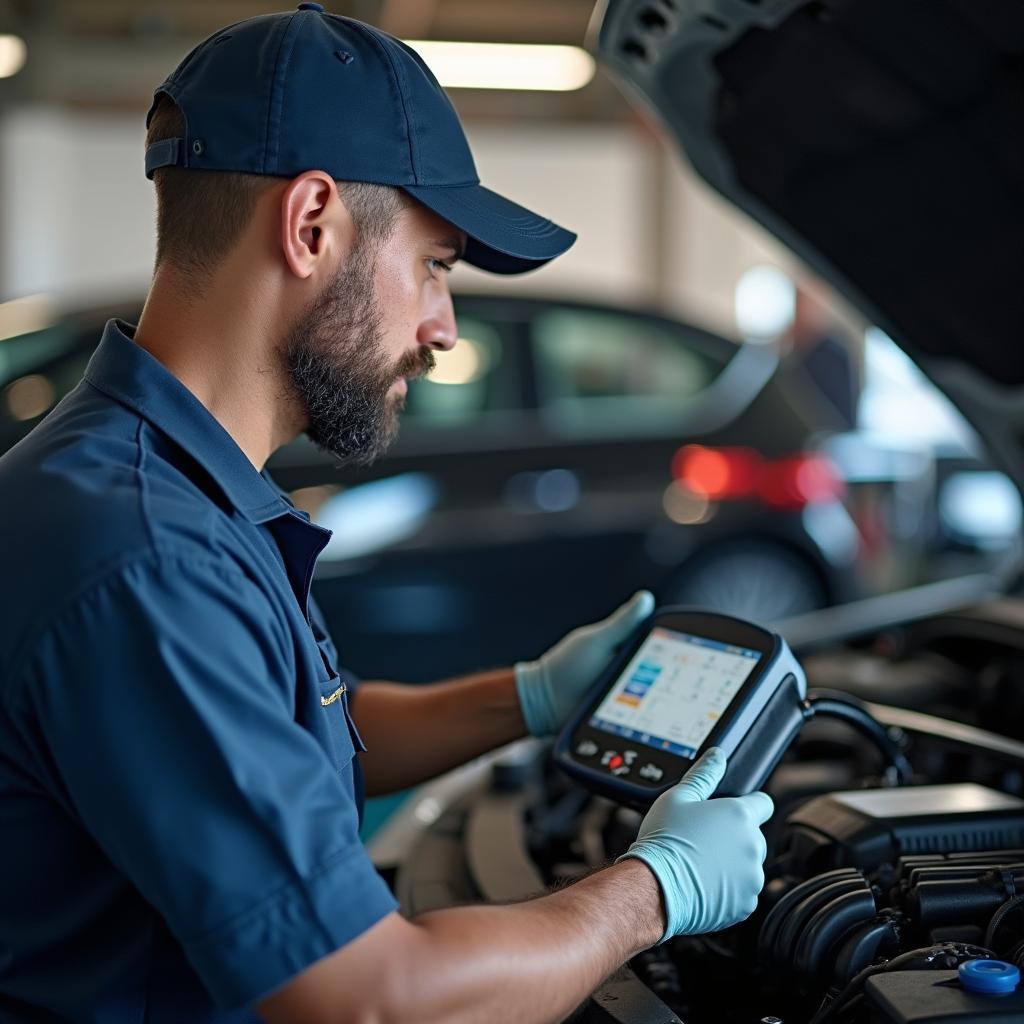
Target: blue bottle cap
989,977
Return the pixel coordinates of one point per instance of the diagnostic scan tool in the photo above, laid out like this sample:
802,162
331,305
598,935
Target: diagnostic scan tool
687,680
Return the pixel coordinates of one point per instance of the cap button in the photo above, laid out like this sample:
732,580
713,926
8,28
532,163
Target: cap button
989,977
311,7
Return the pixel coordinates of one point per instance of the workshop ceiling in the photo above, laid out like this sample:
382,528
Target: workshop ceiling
111,53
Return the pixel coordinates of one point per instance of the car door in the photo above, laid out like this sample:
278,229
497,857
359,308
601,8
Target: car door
614,390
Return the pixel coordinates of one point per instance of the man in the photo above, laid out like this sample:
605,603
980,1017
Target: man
180,787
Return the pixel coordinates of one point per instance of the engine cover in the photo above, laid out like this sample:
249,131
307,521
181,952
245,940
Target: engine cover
928,997
868,827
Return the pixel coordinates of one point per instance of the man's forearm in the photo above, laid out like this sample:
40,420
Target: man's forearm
528,963
536,961
414,733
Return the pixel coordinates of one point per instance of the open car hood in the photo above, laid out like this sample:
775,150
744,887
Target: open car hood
882,141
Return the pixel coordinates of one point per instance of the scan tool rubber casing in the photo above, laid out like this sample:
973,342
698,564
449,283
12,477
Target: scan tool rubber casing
756,730
864,828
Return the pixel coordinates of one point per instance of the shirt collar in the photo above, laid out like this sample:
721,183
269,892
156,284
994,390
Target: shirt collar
128,373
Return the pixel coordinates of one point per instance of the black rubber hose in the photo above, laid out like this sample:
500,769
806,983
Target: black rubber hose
862,947
828,926
766,942
804,912
1016,955
1013,903
832,704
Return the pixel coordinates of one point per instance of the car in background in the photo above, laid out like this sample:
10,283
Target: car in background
561,456
881,142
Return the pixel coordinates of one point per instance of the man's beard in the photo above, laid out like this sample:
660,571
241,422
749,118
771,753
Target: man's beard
338,369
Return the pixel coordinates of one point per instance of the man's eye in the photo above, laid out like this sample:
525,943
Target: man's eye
436,264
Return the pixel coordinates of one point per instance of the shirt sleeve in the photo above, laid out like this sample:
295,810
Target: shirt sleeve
162,700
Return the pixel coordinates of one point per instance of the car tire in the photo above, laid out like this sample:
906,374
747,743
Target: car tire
758,580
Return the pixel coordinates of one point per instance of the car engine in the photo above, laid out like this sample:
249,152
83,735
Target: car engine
876,893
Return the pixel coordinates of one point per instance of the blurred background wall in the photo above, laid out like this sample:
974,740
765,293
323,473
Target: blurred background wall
76,213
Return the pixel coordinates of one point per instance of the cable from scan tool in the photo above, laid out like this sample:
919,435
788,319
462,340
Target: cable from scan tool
833,704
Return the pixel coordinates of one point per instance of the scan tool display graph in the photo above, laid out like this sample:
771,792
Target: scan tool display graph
674,690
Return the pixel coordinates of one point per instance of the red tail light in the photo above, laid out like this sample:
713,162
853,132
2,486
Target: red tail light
718,473
798,481
722,474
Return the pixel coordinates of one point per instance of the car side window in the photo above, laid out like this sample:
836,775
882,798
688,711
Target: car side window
467,382
24,353
36,371
605,372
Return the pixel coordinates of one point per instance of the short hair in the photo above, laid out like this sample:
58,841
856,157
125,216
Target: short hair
200,215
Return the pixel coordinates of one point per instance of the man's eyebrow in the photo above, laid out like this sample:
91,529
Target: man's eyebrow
454,244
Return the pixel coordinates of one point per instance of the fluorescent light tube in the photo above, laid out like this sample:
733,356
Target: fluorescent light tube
540,67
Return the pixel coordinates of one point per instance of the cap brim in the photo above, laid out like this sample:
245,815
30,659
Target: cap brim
502,237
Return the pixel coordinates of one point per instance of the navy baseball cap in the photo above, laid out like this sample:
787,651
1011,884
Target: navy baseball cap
280,94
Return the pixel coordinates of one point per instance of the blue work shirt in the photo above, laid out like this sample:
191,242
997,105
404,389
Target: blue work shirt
179,791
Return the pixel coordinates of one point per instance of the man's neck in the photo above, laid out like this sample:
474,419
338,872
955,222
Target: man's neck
222,351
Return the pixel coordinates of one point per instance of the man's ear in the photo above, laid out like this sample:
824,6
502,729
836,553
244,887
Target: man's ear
315,224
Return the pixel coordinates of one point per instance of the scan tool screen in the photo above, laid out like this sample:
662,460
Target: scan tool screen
674,690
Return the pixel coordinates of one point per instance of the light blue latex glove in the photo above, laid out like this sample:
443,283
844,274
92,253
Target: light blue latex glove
551,687
706,854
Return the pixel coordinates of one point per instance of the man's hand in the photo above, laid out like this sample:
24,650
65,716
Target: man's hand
706,854
551,687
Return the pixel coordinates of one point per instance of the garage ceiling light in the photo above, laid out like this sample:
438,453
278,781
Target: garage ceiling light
764,303
506,65
12,55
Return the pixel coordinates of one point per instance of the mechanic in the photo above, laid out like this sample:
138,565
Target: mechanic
181,774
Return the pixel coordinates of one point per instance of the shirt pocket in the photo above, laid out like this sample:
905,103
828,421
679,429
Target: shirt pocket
343,737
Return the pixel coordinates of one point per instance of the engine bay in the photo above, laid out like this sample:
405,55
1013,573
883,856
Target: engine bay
875,892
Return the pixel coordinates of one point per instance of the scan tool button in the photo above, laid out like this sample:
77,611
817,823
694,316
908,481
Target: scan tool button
586,748
615,762
651,771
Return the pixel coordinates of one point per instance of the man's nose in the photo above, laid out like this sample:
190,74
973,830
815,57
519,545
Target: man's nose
438,328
